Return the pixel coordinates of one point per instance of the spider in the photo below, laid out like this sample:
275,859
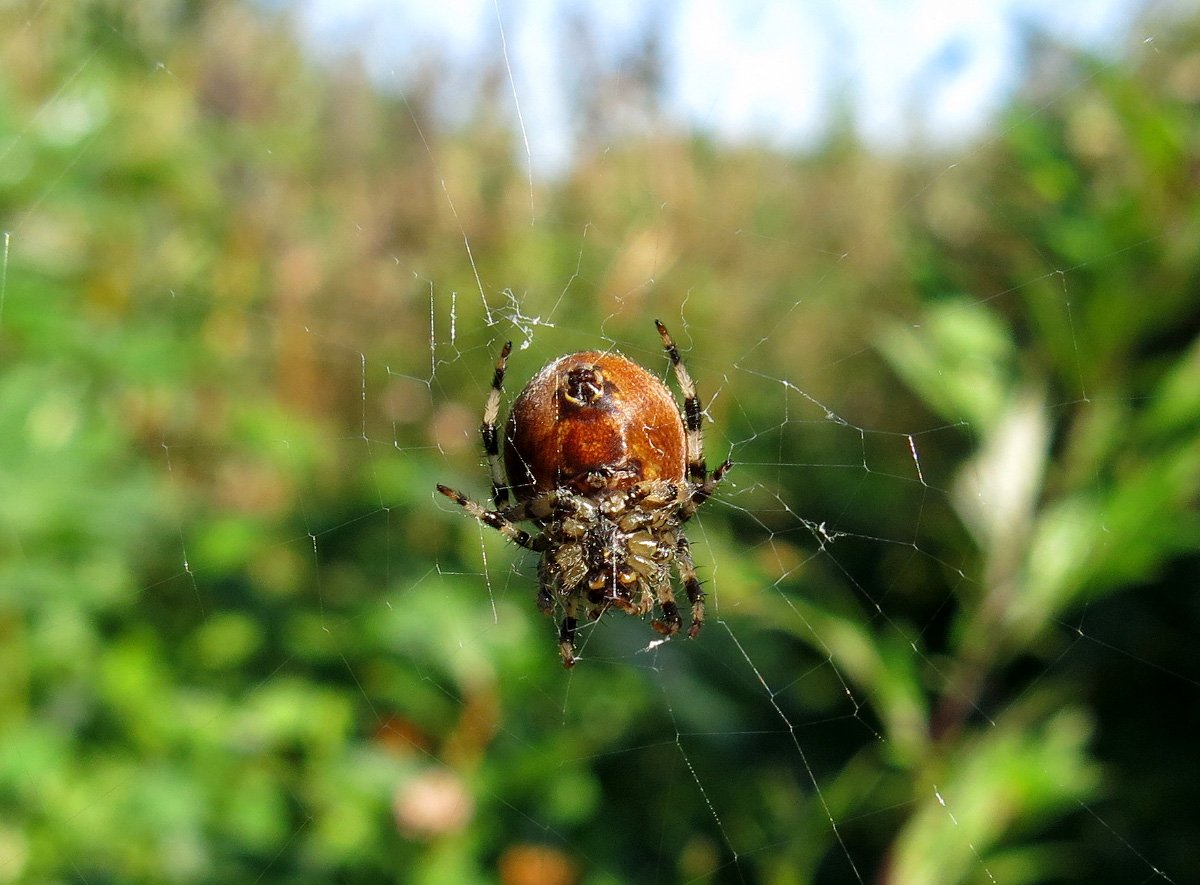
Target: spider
600,459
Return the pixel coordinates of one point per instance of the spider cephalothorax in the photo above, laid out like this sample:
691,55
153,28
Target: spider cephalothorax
600,459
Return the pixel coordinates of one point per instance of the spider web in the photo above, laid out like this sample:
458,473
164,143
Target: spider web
221,484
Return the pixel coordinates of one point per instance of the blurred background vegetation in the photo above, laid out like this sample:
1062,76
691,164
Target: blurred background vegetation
953,576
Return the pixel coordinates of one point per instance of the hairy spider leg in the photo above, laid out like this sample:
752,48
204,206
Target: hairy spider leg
697,469
545,603
705,489
687,574
495,519
671,621
491,439
566,633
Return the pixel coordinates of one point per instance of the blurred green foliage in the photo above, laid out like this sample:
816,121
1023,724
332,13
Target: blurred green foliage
241,640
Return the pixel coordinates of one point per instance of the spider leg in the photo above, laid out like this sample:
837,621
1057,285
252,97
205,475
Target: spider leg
491,439
697,471
545,600
687,574
549,589
495,519
566,633
705,489
671,621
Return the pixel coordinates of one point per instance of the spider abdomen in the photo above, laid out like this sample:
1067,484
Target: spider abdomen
589,422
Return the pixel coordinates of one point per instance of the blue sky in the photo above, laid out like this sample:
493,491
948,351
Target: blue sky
767,70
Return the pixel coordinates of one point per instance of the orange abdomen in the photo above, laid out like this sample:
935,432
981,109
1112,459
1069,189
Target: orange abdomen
591,421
